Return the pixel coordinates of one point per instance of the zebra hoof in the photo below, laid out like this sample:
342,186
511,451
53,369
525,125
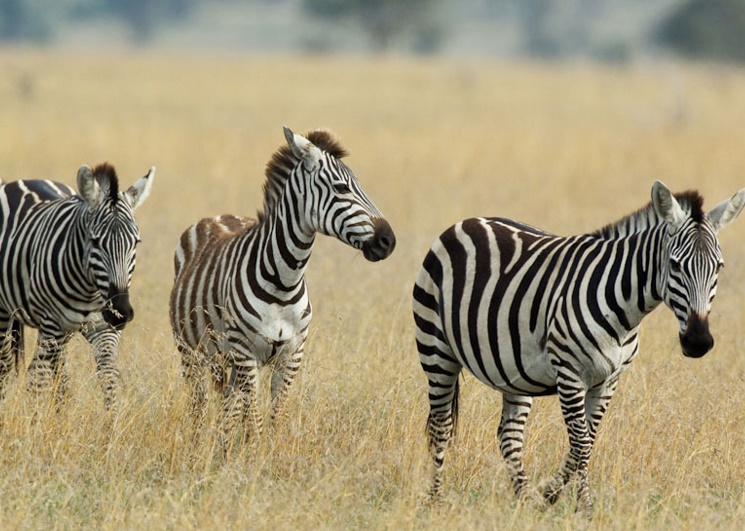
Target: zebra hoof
552,492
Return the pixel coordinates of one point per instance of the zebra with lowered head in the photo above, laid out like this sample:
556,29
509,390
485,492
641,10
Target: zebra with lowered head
531,314
66,263
239,299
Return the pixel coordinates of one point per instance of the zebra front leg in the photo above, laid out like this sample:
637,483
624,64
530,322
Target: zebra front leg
572,397
48,370
240,402
105,341
193,370
511,432
284,374
11,345
596,404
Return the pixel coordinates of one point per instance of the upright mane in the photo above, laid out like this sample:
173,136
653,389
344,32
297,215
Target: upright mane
279,168
105,174
690,201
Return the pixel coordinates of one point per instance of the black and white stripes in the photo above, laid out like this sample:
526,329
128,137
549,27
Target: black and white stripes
239,299
530,314
67,263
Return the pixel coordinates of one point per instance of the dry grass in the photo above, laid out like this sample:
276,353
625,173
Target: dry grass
565,148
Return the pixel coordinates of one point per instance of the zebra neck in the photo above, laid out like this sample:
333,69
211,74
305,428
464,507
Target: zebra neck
637,274
283,249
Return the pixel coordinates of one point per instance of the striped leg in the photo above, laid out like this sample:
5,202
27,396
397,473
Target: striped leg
240,401
284,374
192,369
572,398
511,432
48,369
11,349
442,374
105,341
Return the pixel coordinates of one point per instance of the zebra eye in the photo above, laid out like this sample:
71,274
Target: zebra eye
95,240
674,266
341,188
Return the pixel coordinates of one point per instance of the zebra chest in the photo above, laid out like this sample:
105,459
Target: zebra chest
275,329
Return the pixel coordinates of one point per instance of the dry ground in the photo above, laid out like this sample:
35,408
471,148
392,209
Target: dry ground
567,148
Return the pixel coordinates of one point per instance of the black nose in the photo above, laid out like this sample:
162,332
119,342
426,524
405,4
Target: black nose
381,244
696,340
118,311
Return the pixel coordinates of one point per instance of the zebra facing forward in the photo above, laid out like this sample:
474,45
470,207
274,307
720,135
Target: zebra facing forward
531,314
66,265
239,298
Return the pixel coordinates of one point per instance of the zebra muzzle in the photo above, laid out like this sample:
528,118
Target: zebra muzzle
381,243
118,311
696,340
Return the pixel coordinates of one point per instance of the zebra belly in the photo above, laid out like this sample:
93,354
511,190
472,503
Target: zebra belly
526,372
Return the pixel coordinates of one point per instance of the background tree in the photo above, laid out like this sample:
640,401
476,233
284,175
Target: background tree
23,20
386,21
713,29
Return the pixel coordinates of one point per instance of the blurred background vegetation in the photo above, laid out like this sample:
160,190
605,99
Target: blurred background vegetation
604,30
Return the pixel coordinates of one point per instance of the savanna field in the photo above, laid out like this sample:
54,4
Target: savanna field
566,148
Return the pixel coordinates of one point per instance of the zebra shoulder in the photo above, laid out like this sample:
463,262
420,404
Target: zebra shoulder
206,234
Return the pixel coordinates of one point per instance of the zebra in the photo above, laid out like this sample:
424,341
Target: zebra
66,264
531,314
239,299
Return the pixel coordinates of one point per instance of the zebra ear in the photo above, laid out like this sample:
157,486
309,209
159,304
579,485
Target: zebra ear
666,205
138,192
303,149
89,188
727,211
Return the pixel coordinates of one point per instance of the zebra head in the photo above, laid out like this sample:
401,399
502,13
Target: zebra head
691,263
335,203
112,235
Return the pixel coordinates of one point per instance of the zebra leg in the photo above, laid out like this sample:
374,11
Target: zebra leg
192,368
105,341
240,402
511,432
282,378
572,398
596,404
48,369
443,415
7,352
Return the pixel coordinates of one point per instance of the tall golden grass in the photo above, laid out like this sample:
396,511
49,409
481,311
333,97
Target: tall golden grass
567,148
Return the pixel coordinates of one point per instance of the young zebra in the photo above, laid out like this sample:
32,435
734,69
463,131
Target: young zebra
67,263
532,314
239,299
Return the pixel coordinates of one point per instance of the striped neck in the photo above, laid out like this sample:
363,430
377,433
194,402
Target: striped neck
285,243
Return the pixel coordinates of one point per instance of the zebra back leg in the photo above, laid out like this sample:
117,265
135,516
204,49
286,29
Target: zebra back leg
511,433
442,371
105,341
